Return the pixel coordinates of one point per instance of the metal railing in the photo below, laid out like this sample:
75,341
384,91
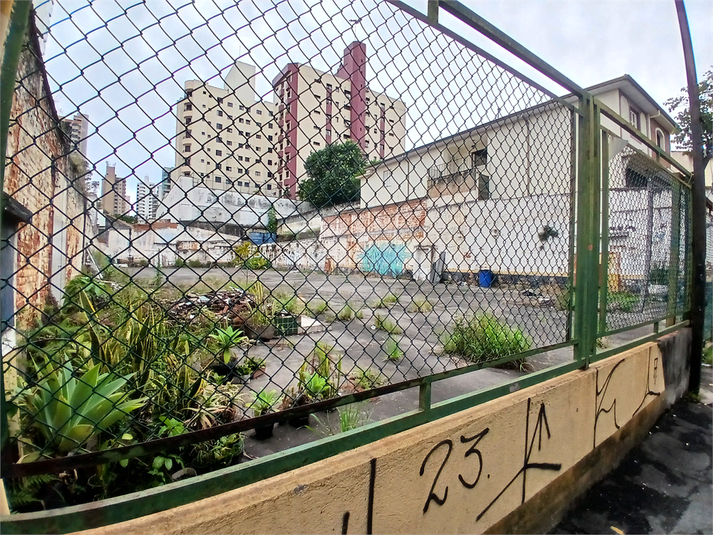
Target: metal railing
314,267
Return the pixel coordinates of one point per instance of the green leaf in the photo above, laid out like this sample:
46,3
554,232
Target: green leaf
124,463
169,464
158,462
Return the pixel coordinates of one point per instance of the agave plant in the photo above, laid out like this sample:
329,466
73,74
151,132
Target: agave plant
264,402
227,338
68,411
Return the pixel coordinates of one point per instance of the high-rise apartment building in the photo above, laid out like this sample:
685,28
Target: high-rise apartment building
43,17
317,108
77,128
147,199
113,199
225,136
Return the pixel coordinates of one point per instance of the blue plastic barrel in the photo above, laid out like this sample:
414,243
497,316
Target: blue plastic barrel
486,278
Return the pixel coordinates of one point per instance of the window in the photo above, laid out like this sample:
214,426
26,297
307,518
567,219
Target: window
479,158
220,100
229,143
240,145
217,166
219,139
240,158
346,136
257,123
367,145
241,108
270,114
217,179
218,126
483,187
188,134
203,133
258,149
247,159
328,132
230,104
230,130
316,143
187,161
240,183
269,150
269,162
241,120
218,152
202,160
269,186
188,120
209,123
317,112
258,136
247,121
388,179
186,148
375,130
269,138
259,112
660,139
347,107
257,173
220,113
269,175
634,118
329,86
347,92
228,168
228,181
347,123
239,170
269,125
187,107
189,93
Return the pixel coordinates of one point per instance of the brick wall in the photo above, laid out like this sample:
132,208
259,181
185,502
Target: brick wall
40,176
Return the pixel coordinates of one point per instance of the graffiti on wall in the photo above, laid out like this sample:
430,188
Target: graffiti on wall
385,258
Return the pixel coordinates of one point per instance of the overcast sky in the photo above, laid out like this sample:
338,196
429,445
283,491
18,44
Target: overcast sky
124,63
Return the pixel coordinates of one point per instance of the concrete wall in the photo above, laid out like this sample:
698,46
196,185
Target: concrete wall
512,463
41,177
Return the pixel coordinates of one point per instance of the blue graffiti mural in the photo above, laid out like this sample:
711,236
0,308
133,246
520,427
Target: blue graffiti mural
385,258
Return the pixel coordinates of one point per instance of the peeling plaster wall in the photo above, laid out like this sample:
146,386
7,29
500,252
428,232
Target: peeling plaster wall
40,177
463,473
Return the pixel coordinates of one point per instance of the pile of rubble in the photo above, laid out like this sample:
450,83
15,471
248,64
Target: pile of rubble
229,305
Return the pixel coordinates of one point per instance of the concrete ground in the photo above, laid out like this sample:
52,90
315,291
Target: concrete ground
664,485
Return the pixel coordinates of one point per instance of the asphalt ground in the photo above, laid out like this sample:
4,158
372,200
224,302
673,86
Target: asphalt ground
664,485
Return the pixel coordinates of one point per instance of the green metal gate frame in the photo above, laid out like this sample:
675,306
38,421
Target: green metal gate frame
588,279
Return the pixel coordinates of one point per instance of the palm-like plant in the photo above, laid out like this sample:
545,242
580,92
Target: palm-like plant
226,339
68,410
264,402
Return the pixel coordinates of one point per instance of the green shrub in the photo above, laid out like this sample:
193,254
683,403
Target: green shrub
384,323
624,301
346,313
368,379
420,304
387,301
317,307
392,349
483,338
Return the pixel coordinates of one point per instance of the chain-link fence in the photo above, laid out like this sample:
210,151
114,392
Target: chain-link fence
647,247
253,212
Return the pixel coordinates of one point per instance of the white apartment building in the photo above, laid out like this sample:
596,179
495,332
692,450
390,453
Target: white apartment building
147,199
228,139
225,136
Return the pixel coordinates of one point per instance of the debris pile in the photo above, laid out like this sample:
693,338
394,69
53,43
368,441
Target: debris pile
229,305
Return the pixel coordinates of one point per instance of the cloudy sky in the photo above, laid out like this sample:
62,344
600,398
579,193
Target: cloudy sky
124,62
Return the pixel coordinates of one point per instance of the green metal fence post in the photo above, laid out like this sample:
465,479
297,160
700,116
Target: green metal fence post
673,264
604,270
587,262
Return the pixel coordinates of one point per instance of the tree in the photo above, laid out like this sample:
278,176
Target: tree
333,173
679,105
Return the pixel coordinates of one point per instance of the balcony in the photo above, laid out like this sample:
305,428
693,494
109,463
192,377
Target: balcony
455,171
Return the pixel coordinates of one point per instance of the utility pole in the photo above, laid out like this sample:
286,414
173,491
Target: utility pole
698,207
